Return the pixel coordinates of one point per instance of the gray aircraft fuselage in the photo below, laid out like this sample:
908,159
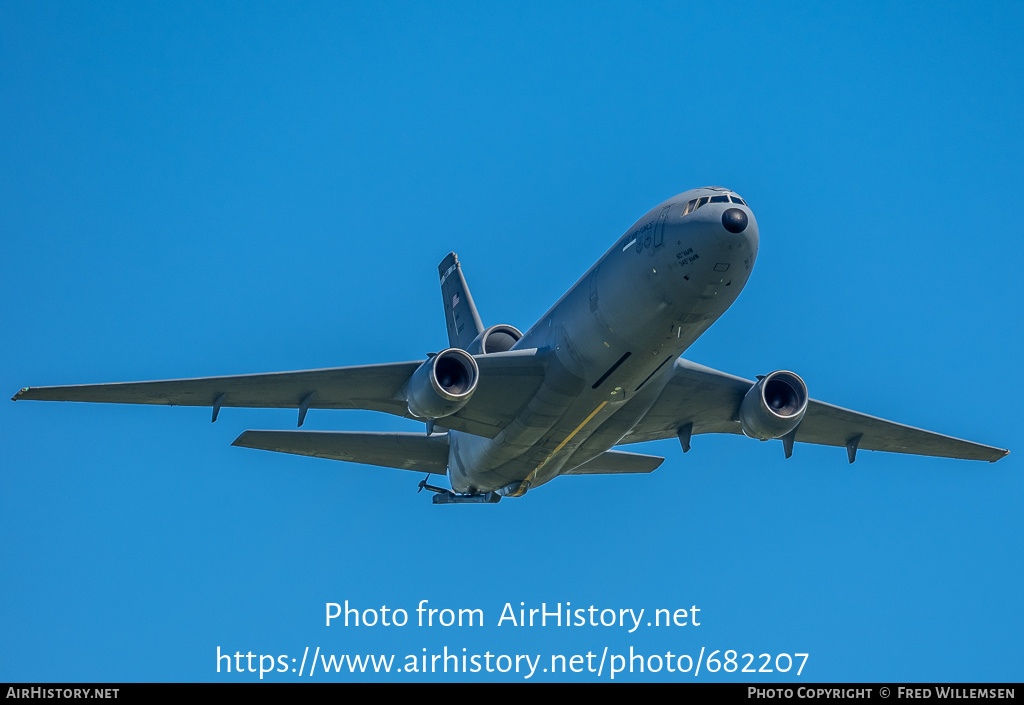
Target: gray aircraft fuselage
615,334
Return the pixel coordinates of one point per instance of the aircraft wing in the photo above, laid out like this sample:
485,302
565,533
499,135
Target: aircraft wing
507,382
710,400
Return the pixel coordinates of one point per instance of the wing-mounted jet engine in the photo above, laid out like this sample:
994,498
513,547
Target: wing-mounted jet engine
442,385
774,406
495,339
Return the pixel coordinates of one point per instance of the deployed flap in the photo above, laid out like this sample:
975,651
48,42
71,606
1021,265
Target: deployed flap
460,313
617,461
710,400
406,451
507,382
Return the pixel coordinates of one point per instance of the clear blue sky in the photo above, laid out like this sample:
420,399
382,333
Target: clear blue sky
217,188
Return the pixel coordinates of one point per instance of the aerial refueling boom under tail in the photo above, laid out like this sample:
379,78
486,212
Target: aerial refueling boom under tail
507,411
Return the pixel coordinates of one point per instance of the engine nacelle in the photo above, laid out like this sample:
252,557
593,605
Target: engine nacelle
442,385
495,339
774,406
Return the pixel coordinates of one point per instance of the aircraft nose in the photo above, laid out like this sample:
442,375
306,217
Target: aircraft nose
734,220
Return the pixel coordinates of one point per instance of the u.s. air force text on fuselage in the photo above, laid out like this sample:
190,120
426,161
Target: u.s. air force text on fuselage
507,411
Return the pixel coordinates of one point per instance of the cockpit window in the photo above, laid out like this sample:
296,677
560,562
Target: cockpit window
693,205
696,203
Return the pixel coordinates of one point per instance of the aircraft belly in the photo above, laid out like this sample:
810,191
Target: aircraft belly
587,426
482,464
614,334
633,303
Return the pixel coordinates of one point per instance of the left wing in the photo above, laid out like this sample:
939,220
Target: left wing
710,400
363,387
507,381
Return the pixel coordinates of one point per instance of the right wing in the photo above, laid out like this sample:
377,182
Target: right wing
507,382
710,400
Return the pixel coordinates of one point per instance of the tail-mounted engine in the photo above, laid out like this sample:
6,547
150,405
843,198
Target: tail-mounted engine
495,339
443,384
774,406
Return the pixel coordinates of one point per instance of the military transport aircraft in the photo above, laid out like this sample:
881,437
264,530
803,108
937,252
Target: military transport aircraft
506,412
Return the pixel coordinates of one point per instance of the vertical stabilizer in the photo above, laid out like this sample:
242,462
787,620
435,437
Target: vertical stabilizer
460,314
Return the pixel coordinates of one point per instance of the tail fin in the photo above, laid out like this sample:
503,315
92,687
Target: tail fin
460,313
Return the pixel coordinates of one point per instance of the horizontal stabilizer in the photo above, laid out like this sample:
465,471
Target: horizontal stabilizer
612,462
406,451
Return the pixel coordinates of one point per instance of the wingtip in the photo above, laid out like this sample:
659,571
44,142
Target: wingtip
18,393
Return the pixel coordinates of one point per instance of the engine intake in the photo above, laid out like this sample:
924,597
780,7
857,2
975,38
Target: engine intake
495,339
774,406
442,385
